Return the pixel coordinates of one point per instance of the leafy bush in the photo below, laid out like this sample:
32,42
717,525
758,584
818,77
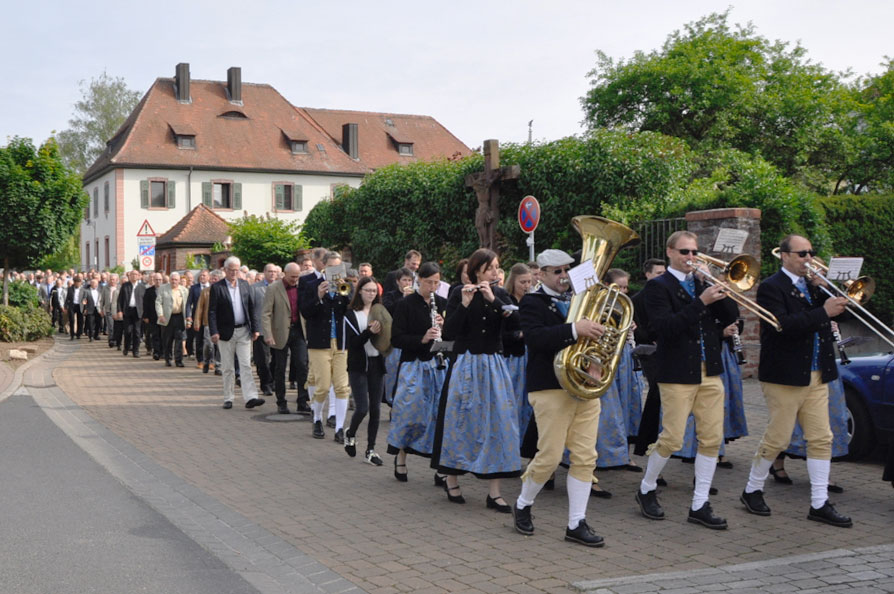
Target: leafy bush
26,323
261,240
21,294
862,226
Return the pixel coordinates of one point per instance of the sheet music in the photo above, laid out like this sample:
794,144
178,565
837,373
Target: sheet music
730,241
844,269
339,271
583,276
443,290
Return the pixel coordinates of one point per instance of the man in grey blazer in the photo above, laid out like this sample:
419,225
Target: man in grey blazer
170,305
281,327
109,307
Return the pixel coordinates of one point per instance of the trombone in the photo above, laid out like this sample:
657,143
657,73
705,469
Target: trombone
741,274
857,292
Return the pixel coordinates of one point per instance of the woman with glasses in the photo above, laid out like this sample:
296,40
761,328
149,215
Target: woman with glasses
477,418
365,368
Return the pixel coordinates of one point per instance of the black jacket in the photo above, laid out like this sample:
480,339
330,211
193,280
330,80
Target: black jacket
390,299
674,321
513,341
411,320
318,314
546,333
786,356
195,291
69,297
478,328
220,309
358,360
641,317
149,305
90,306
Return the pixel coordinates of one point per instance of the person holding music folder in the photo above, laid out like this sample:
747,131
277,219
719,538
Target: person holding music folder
682,312
414,410
562,420
365,367
477,423
796,366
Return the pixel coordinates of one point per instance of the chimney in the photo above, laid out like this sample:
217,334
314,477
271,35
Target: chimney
349,140
181,82
234,84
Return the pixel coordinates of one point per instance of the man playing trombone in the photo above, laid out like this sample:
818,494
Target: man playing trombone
796,365
682,312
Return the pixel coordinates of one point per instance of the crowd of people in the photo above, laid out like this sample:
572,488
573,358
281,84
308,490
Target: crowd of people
468,372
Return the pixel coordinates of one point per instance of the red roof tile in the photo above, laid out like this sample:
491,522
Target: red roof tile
200,225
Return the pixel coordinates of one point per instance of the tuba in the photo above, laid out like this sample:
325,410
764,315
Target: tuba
606,305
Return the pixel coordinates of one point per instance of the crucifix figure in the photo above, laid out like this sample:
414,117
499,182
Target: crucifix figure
487,188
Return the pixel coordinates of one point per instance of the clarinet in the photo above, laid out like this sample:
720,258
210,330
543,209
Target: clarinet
439,355
845,360
739,349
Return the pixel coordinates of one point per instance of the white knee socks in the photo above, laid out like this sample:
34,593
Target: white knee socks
529,492
704,475
331,412
758,475
317,407
578,497
341,409
653,469
818,470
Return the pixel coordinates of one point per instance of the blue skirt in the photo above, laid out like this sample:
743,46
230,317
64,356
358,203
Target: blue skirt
480,422
630,391
611,443
837,421
517,368
392,363
734,423
414,413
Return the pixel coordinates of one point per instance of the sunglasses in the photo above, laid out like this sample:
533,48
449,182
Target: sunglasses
803,253
687,252
558,271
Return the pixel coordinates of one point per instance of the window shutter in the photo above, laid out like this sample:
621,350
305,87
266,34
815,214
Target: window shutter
237,196
172,190
296,197
278,204
206,194
144,193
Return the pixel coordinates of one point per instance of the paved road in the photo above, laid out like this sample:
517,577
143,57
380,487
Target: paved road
68,526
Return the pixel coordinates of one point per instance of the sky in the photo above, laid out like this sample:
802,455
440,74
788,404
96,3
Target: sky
482,68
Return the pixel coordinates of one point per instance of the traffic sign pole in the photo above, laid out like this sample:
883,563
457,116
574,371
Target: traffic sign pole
528,219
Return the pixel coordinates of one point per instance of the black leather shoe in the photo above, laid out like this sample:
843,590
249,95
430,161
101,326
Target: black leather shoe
330,422
705,516
648,505
218,372
440,480
402,476
228,405
454,498
156,357
136,355
302,409
282,408
350,446
267,391
523,523
167,363
600,493
318,430
754,503
239,381
179,363
293,385
661,482
254,402
502,508
339,436
836,489
205,368
584,535
829,515
781,476
550,485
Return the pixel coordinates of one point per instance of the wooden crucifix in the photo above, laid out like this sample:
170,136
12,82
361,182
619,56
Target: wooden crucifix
487,188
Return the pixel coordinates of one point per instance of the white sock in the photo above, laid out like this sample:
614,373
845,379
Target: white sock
704,475
653,469
331,412
529,492
578,497
341,410
818,470
310,393
758,475
317,407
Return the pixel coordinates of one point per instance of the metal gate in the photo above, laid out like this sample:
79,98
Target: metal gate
653,235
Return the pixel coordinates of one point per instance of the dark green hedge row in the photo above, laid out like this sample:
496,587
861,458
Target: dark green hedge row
25,323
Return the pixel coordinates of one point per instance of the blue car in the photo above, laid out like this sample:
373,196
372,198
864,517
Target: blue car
869,391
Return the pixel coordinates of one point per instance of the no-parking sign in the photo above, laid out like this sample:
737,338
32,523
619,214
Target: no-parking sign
529,214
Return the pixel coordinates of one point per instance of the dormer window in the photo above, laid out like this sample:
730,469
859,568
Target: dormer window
186,142
295,140
184,135
234,115
405,148
299,147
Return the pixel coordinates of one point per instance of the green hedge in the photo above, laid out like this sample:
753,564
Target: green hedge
864,226
23,324
21,293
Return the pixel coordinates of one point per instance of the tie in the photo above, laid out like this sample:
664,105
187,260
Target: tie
562,306
689,284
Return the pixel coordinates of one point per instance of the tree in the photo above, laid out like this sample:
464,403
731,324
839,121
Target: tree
42,202
258,241
717,87
105,104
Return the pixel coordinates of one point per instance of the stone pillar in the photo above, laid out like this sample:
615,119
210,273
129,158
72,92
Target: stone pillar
706,224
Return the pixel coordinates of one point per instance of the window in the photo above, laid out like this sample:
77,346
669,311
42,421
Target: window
107,252
299,147
105,192
186,142
156,193
95,202
96,251
286,197
87,255
222,194
405,148
220,197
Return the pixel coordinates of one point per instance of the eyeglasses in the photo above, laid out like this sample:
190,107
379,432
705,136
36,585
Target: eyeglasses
373,290
687,252
558,271
802,253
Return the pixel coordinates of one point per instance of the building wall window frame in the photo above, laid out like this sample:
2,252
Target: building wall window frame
105,194
157,193
287,196
222,194
95,202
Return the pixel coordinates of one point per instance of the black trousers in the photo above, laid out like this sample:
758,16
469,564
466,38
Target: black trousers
173,338
651,417
132,326
293,350
190,341
153,338
199,349
366,388
75,315
116,333
58,318
261,355
298,363
93,324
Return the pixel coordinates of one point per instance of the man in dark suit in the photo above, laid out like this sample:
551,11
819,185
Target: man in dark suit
233,326
73,304
150,317
412,260
650,421
195,292
795,369
563,421
130,309
60,293
91,301
682,313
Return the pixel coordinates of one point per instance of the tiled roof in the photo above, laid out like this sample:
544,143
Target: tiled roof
256,135
200,225
379,133
227,136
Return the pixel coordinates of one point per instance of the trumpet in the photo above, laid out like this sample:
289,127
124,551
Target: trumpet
339,286
741,274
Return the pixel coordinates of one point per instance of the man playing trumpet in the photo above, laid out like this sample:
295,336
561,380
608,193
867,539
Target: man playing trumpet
682,313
